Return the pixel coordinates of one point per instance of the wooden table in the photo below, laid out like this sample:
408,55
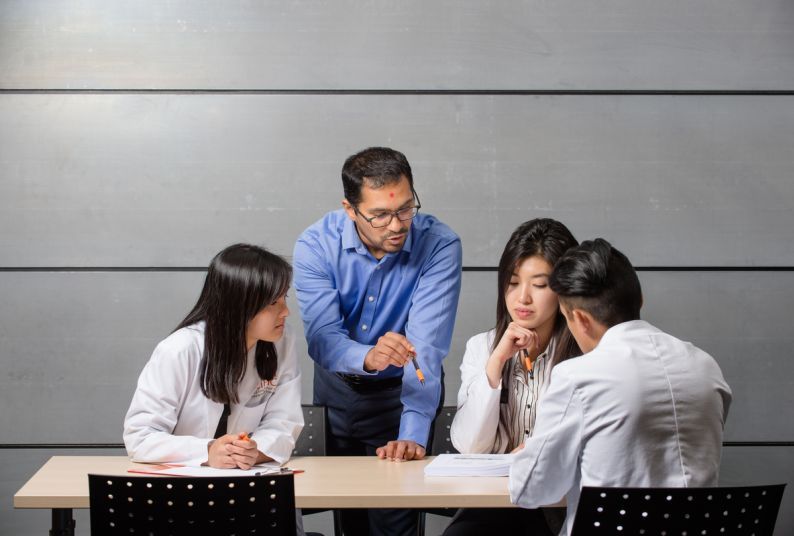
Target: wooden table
328,482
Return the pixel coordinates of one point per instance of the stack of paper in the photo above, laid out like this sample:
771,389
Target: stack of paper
469,465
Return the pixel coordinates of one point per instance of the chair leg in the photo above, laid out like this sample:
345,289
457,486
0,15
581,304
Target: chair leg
337,523
420,525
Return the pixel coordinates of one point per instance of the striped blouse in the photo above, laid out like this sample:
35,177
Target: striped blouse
519,399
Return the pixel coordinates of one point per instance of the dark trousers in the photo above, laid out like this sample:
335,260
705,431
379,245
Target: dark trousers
513,521
360,421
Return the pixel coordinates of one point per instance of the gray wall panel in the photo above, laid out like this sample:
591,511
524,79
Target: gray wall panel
169,175
532,44
58,330
167,180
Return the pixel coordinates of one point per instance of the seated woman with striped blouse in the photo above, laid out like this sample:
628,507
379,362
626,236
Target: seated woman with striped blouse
506,370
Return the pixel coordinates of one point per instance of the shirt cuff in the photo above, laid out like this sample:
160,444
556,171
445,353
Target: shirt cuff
415,427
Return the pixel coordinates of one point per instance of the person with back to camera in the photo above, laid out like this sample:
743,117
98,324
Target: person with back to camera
223,389
506,370
378,283
640,408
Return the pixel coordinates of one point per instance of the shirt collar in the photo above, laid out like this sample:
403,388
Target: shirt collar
350,238
622,330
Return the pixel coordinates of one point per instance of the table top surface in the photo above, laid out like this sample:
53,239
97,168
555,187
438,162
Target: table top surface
327,482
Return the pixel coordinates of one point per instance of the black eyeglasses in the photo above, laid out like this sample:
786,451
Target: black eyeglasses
384,219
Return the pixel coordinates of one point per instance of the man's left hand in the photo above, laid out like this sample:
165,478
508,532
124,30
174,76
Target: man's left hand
401,450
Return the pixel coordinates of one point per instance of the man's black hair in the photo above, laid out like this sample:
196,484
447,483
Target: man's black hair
599,279
379,166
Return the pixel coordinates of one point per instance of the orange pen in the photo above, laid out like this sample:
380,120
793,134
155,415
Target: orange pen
243,436
528,364
419,373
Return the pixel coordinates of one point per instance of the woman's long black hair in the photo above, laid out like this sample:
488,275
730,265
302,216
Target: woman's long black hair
241,281
548,239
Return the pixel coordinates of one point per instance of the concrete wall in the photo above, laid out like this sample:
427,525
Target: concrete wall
137,139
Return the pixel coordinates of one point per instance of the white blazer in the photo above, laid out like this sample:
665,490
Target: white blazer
476,421
170,419
643,409
475,428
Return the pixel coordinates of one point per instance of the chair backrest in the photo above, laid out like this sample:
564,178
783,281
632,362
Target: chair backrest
192,505
676,511
311,442
442,443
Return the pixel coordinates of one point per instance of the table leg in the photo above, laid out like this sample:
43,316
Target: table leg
62,522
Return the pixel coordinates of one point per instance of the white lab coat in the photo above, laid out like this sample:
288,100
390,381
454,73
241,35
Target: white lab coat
476,424
170,419
643,409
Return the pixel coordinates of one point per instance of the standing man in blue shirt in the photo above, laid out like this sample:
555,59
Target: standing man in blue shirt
378,283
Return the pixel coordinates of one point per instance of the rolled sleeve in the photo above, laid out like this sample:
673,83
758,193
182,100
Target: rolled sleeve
429,328
329,342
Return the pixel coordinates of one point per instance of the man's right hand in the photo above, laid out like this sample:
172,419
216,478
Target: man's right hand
392,349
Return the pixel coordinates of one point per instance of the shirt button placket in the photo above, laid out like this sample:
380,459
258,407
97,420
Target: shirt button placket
368,313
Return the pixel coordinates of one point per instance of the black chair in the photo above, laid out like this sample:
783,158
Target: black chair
175,506
311,442
731,511
441,444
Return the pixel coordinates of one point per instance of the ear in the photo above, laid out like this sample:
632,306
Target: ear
584,320
351,213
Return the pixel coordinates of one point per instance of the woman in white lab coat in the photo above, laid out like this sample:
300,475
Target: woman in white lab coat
224,388
506,370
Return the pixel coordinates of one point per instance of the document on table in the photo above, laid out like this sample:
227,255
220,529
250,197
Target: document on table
469,465
184,470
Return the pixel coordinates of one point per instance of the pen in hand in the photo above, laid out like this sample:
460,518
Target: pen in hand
528,364
419,373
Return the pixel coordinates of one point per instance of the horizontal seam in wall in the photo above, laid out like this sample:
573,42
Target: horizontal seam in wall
9,446
465,268
484,92
673,268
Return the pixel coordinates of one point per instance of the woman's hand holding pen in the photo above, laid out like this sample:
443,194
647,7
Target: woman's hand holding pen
391,349
230,451
515,338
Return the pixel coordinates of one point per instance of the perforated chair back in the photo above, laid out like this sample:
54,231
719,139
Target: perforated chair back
442,443
311,442
735,511
176,506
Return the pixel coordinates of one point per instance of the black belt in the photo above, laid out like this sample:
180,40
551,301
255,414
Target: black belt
369,384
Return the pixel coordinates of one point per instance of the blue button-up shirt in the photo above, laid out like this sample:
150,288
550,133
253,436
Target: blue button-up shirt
348,299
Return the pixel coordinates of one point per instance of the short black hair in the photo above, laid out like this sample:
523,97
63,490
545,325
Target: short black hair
599,279
379,165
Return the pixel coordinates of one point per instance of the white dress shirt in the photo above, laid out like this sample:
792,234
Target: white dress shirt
485,422
170,419
643,409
